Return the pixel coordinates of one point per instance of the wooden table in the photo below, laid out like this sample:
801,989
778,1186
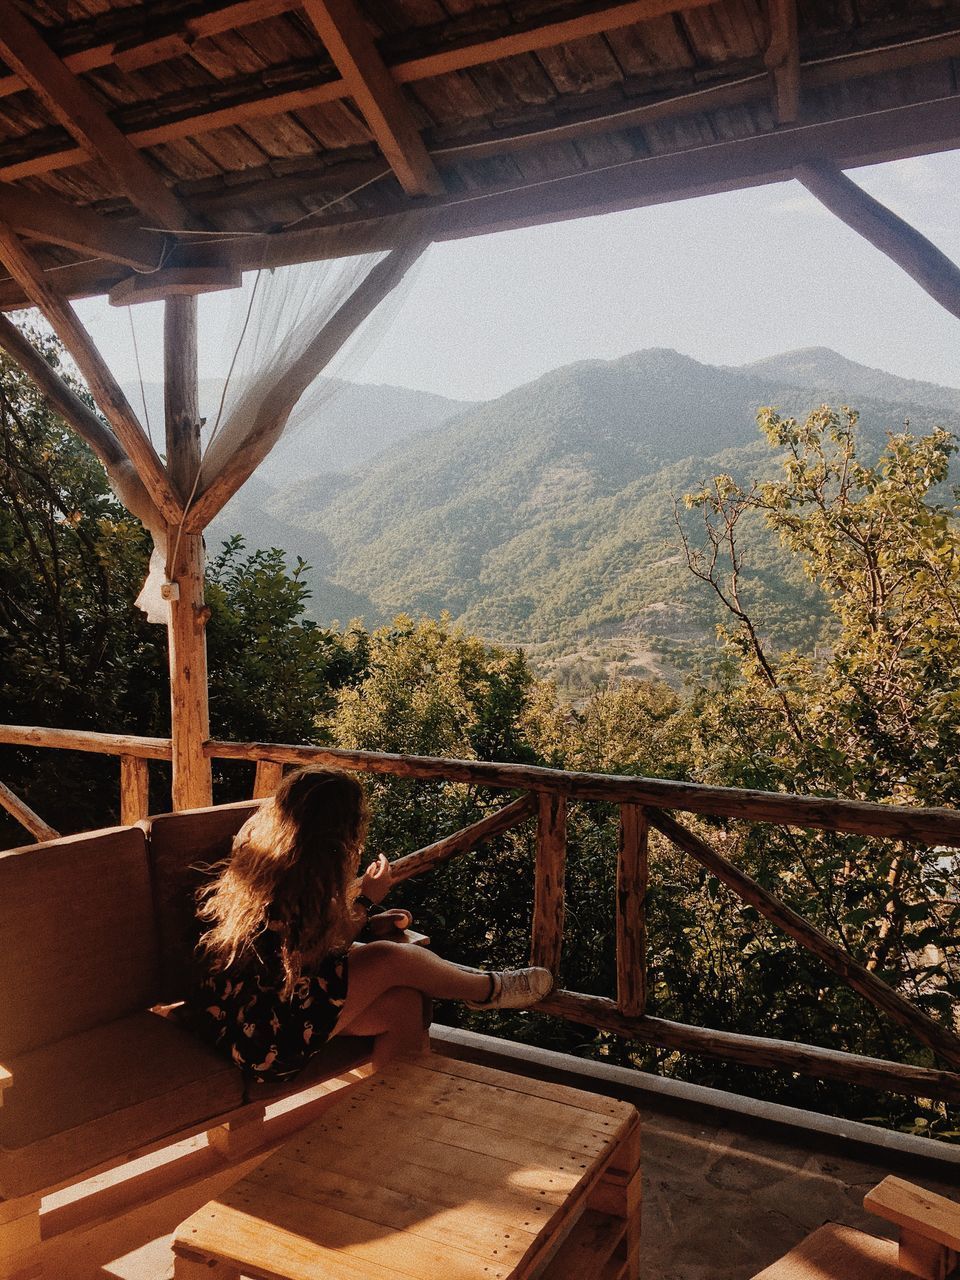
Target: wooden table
439,1170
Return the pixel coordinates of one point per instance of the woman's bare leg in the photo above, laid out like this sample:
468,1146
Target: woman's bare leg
376,967
396,1020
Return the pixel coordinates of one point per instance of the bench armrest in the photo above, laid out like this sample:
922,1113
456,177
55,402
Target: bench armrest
924,1212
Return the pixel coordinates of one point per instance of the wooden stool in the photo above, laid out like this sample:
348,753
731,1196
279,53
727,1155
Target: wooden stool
929,1240
435,1169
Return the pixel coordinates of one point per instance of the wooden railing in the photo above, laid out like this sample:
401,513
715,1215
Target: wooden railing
642,803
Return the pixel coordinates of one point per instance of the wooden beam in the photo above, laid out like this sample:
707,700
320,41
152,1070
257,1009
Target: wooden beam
820,813
186,637
854,975
174,282
915,1208
29,820
103,386
349,42
28,54
762,1052
104,744
77,414
903,244
539,35
62,397
782,59
226,468
45,217
494,824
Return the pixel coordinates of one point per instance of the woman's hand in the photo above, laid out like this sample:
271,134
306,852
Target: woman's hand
389,923
377,880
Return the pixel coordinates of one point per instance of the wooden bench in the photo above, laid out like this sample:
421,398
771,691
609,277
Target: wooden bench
96,932
440,1170
928,1246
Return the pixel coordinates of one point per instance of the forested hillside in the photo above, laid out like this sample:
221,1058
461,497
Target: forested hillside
546,517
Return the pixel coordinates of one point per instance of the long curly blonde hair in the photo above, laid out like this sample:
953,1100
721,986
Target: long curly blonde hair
293,867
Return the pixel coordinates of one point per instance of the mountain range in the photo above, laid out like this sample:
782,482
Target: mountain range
545,517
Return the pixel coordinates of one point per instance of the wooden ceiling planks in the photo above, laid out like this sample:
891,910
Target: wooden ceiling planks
239,108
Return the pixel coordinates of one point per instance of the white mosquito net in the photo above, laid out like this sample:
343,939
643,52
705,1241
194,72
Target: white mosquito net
270,340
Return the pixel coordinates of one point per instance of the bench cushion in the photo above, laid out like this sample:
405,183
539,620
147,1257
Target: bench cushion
182,848
103,1093
77,936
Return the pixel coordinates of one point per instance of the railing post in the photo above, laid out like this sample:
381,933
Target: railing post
546,942
134,790
267,778
632,878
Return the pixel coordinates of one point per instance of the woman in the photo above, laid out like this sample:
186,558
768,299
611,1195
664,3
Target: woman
283,971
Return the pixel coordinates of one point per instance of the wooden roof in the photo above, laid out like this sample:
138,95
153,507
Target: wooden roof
328,126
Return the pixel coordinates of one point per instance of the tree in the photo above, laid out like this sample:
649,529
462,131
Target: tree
874,717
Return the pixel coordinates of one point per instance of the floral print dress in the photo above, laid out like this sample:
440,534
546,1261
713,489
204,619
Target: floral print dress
270,1037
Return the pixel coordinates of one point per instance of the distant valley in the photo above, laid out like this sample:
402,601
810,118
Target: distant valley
546,517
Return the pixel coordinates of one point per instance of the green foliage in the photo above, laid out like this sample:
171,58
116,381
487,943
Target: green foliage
73,650
273,672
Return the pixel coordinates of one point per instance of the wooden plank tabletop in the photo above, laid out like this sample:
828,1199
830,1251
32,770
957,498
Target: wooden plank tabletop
434,1168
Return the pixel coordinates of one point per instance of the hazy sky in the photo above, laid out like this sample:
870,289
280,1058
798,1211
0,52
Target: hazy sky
726,279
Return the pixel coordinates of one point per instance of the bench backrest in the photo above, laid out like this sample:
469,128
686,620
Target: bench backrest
77,936
182,848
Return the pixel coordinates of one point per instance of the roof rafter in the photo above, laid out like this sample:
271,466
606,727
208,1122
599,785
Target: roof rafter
24,49
782,59
57,222
349,42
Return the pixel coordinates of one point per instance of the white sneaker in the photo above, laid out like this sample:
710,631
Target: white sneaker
516,989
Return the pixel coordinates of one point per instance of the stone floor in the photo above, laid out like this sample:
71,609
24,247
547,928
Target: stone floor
724,1193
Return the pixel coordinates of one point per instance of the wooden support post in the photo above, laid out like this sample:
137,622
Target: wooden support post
619,1194
189,707
236,1139
903,244
546,942
134,790
632,875
267,779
